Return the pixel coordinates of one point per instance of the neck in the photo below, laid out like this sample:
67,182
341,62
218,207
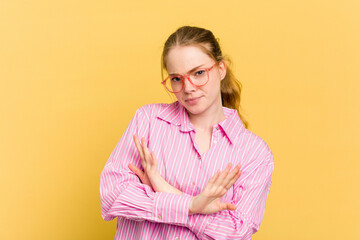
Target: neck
207,120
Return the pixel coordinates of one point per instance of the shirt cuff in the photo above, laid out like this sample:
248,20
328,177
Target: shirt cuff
198,223
171,208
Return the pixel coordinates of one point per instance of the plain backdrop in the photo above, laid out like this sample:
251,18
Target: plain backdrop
73,73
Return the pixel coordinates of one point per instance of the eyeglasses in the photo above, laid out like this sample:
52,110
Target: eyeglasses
199,77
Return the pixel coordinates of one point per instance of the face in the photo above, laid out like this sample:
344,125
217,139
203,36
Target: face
197,100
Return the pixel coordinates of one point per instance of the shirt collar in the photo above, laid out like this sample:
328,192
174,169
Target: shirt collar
232,126
176,114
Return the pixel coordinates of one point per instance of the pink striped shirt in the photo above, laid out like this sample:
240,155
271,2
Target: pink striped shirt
144,214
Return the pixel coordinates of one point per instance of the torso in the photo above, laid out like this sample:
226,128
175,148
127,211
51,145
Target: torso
203,140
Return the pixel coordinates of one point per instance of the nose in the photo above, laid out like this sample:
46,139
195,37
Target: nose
188,86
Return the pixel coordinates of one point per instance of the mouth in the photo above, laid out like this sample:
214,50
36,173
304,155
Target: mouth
192,101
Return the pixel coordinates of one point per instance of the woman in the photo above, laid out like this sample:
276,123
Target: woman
175,173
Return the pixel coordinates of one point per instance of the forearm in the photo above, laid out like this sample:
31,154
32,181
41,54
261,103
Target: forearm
161,185
222,225
245,220
128,198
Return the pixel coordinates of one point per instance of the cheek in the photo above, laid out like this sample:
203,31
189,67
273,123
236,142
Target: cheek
178,96
214,86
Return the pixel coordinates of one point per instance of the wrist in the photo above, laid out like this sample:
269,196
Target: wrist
191,212
161,185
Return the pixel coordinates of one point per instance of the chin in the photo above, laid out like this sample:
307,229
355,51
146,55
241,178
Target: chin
194,109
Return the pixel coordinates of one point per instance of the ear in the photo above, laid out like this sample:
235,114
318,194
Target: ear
222,69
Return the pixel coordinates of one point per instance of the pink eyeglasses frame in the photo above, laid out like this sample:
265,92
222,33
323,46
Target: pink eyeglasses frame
182,77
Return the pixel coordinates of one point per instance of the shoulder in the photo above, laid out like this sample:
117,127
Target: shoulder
254,140
255,147
153,110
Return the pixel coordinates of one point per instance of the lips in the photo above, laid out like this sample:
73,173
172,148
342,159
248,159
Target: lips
192,101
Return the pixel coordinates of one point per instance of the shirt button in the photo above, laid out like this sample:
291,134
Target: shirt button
159,217
217,128
177,238
199,157
193,183
215,141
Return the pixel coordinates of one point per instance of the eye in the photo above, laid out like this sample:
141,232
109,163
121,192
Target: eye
199,73
175,79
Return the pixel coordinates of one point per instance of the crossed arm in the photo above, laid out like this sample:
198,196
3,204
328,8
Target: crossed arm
207,202
123,195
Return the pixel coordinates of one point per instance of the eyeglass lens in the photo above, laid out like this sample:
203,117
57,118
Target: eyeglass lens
198,78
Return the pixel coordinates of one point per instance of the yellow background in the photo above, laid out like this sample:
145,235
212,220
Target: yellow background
72,74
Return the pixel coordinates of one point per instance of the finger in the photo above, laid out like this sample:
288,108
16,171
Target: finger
223,184
231,176
233,180
138,146
145,148
233,172
146,152
223,175
140,151
136,170
154,159
230,206
141,175
214,178
226,206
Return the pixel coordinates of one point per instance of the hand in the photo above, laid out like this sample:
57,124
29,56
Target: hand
208,201
142,175
150,176
148,160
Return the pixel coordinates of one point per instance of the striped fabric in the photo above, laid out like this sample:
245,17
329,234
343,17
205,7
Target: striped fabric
144,214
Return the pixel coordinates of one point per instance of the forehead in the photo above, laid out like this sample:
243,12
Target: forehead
181,59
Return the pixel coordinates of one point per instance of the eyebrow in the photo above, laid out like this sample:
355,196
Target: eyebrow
191,70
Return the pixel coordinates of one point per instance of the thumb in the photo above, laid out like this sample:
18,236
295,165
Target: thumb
227,206
230,206
136,170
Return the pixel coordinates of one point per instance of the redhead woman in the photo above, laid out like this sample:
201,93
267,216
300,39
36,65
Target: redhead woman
190,169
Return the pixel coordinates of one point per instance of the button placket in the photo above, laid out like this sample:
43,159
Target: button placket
216,136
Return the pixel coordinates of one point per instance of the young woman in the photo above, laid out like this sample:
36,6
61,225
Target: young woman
175,173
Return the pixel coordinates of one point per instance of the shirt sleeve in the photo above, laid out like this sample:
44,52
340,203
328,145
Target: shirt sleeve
123,195
250,195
